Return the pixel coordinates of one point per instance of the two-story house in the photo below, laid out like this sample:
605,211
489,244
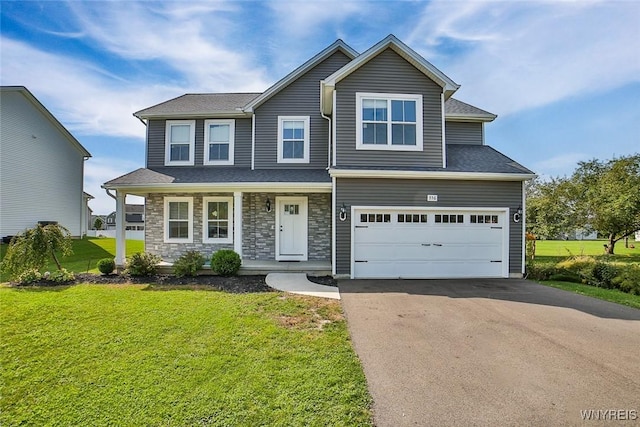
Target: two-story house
362,161
41,168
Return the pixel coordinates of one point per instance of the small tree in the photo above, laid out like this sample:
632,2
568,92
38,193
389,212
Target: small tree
31,249
98,223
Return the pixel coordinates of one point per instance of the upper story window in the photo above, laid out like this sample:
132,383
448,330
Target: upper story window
178,219
389,121
293,139
180,143
218,142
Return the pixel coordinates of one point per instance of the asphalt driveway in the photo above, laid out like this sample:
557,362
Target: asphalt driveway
493,352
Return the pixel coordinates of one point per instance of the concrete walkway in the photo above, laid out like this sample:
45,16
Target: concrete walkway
297,283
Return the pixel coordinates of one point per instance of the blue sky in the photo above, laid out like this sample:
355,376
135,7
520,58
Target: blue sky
563,77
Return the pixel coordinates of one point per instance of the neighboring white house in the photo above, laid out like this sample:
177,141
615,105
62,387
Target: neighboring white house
41,167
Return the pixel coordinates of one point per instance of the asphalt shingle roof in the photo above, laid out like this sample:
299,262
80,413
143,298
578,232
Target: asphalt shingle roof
460,158
213,103
208,174
455,107
194,103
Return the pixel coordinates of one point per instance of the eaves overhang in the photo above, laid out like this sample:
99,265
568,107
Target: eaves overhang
440,175
263,187
470,117
238,114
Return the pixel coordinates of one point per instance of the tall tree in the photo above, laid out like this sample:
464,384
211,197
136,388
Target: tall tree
607,197
550,207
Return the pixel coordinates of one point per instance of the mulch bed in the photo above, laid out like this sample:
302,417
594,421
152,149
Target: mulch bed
234,284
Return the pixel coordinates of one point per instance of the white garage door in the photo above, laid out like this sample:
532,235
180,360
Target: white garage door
444,243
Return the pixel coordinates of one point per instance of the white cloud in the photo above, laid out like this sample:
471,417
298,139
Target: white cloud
511,56
99,170
83,97
185,41
559,165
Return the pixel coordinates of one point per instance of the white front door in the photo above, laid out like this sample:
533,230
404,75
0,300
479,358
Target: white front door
291,228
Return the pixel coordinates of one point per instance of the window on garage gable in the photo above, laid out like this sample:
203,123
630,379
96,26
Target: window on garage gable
389,122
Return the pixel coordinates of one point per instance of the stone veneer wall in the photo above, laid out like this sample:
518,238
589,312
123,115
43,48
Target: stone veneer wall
154,228
258,237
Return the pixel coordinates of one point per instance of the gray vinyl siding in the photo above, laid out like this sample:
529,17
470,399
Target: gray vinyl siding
388,73
41,171
156,143
300,98
463,133
451,194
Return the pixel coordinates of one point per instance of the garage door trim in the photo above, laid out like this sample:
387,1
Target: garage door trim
503,211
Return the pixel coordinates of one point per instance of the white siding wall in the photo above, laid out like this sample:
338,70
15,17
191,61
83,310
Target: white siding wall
41,177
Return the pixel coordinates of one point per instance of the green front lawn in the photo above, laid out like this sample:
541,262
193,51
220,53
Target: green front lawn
87,251
557,250
140,355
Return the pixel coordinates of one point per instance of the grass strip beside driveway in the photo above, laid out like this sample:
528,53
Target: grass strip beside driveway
611,295
126,354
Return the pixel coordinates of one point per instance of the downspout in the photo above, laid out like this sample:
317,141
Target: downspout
328,120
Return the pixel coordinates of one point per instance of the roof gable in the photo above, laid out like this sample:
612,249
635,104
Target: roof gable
301,70
47,114
389,42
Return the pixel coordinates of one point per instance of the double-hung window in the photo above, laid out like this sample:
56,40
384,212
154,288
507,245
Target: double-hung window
293,139
180,142
217,222
389,122
178,219
218,142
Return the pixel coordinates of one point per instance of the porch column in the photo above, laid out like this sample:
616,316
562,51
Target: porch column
120,232
237,222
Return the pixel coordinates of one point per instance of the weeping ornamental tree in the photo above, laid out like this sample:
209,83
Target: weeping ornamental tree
32,249
607,197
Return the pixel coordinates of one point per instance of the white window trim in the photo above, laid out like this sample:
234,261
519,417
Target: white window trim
307,131
389,97
192,143
168,200
205,201
232,127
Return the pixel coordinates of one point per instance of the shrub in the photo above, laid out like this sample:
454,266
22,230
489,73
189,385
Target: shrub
581,265
106,265
188,264
628,280
225,262
540,272
28,276
62,276
142,264
602,275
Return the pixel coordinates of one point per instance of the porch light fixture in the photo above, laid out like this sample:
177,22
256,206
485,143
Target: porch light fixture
267,205
518,215
343,212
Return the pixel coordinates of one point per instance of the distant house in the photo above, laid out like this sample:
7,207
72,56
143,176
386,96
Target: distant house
41,167
134,218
